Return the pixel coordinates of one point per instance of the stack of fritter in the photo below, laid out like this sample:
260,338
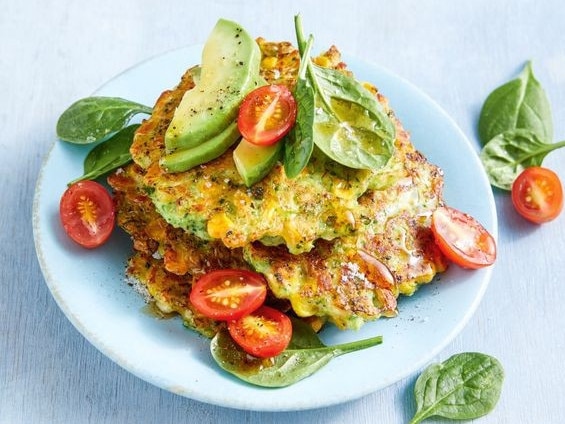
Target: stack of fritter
335,244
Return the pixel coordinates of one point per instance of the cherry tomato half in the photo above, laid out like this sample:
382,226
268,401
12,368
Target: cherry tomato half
537,194
264,333
87,213
267,114
228,294
462,238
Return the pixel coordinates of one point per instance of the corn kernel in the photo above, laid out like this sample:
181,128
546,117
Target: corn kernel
370,87
269,62
323,61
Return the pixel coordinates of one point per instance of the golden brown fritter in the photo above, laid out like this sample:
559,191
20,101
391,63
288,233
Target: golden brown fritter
357,278
337,243
212,202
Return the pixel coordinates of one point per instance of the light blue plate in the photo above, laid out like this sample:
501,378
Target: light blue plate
90,287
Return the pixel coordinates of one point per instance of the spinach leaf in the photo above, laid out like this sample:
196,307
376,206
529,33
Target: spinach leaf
91,119
108,155
299,143
465,386
305,355
350,125
520,103
509,153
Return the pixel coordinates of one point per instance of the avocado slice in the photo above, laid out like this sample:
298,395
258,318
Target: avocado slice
183,160
254,162
229,70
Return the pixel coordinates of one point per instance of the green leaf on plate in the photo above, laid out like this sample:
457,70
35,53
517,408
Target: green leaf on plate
305,355
109,154
93,118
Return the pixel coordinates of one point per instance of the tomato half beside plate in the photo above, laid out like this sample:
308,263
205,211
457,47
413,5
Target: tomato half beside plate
267,114
87,213
264,333
537,194
462,239
228,294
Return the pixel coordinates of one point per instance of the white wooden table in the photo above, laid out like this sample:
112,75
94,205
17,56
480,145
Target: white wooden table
52,53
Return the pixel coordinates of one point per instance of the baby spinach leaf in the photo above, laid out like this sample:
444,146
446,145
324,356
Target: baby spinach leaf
299,143
91,119
108,155
305,355
465,386
509,153
350,125
520,103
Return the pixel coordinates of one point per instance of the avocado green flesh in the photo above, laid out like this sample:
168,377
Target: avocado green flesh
185,159
254,162
229,70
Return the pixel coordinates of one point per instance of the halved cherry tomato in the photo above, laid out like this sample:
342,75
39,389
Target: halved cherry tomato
537,194
462,238
264,333
228,294
267,114
87,213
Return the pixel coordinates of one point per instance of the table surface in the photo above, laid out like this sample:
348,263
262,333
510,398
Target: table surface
53,53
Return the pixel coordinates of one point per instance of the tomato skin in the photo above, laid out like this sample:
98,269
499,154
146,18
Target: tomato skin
267,114
228,294
537,194
87,213
462,239
264,333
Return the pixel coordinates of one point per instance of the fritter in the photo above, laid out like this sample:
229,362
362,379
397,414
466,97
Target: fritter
211,201
335,243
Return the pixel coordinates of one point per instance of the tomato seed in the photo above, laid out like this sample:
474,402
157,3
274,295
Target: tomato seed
88,212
